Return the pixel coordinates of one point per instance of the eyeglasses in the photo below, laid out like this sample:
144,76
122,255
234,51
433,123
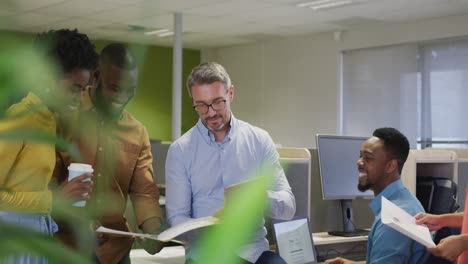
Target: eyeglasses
216,106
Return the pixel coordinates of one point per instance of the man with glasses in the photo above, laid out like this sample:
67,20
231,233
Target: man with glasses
381,160
219,151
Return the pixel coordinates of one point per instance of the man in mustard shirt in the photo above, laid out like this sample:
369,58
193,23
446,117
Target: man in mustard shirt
26,165
117,146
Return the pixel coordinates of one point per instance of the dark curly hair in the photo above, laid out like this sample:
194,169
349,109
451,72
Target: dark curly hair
395,143
119,55
69,49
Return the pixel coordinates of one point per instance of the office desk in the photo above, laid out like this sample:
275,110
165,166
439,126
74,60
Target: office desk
323,238
328,246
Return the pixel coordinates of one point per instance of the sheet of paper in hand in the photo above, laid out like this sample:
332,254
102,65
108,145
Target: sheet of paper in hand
401,221
168,234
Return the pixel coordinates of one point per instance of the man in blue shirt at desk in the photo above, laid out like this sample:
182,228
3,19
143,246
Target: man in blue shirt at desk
380,164
219,151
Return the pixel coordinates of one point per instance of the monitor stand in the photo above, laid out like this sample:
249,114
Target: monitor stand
349,229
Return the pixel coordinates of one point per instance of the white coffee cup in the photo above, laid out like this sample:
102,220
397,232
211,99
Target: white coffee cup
75,170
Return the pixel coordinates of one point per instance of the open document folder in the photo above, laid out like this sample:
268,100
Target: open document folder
401,221
168,234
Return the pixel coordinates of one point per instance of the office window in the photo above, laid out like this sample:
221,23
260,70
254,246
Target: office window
380,89
444,79
421,89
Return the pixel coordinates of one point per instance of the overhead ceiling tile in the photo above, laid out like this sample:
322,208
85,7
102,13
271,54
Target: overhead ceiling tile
126,2
179,5
76,8
277,12
207,24
229,7
226,21
126,14
31,19
354,21
306,29
81,24
26,5
300,19
284,2
157,21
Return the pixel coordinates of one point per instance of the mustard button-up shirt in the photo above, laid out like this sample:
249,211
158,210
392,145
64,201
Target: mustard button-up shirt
26,166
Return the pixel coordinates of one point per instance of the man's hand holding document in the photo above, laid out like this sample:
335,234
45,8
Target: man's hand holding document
168,234
401,221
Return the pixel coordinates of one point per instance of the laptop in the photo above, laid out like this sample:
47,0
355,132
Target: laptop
294,241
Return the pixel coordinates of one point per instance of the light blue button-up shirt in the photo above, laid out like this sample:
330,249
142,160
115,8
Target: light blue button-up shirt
198,169
386,245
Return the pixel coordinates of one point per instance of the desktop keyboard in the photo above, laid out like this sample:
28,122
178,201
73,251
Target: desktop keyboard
355,256
355,233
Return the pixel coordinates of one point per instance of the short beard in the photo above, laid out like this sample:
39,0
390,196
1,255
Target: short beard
365,187
205,122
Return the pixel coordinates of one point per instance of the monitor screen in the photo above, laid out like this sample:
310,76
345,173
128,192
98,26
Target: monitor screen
339,175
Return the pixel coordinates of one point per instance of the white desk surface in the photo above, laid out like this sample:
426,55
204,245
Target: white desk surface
323,238
168,255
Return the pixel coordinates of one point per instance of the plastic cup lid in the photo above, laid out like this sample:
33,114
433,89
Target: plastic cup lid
80,167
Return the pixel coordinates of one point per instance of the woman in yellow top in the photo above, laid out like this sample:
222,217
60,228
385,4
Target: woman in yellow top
26,165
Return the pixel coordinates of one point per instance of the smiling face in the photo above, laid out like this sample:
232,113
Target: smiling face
71,89
214,94
114,87
374,166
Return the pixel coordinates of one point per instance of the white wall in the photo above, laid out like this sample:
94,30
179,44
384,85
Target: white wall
290,86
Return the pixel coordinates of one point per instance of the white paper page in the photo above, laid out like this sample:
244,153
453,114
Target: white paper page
106,230
187,226
401,221
168,234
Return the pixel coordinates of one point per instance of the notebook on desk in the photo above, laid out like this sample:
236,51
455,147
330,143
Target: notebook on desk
294,242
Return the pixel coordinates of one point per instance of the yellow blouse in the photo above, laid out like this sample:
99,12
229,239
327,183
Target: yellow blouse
26,166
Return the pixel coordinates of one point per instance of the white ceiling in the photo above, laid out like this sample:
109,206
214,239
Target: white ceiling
211,23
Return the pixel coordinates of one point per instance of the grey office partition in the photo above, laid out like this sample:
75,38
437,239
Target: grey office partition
298,178
462,184
159,150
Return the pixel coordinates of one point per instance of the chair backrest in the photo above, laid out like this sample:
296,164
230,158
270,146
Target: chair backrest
437,195
297,165
297,168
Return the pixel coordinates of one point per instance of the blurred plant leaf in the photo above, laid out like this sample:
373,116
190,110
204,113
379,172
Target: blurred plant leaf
22,70
241,218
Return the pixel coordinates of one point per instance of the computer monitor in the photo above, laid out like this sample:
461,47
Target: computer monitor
339,176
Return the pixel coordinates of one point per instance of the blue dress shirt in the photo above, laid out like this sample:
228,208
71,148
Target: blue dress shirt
386,245
198,168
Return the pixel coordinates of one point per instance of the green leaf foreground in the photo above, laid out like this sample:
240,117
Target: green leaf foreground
240,220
